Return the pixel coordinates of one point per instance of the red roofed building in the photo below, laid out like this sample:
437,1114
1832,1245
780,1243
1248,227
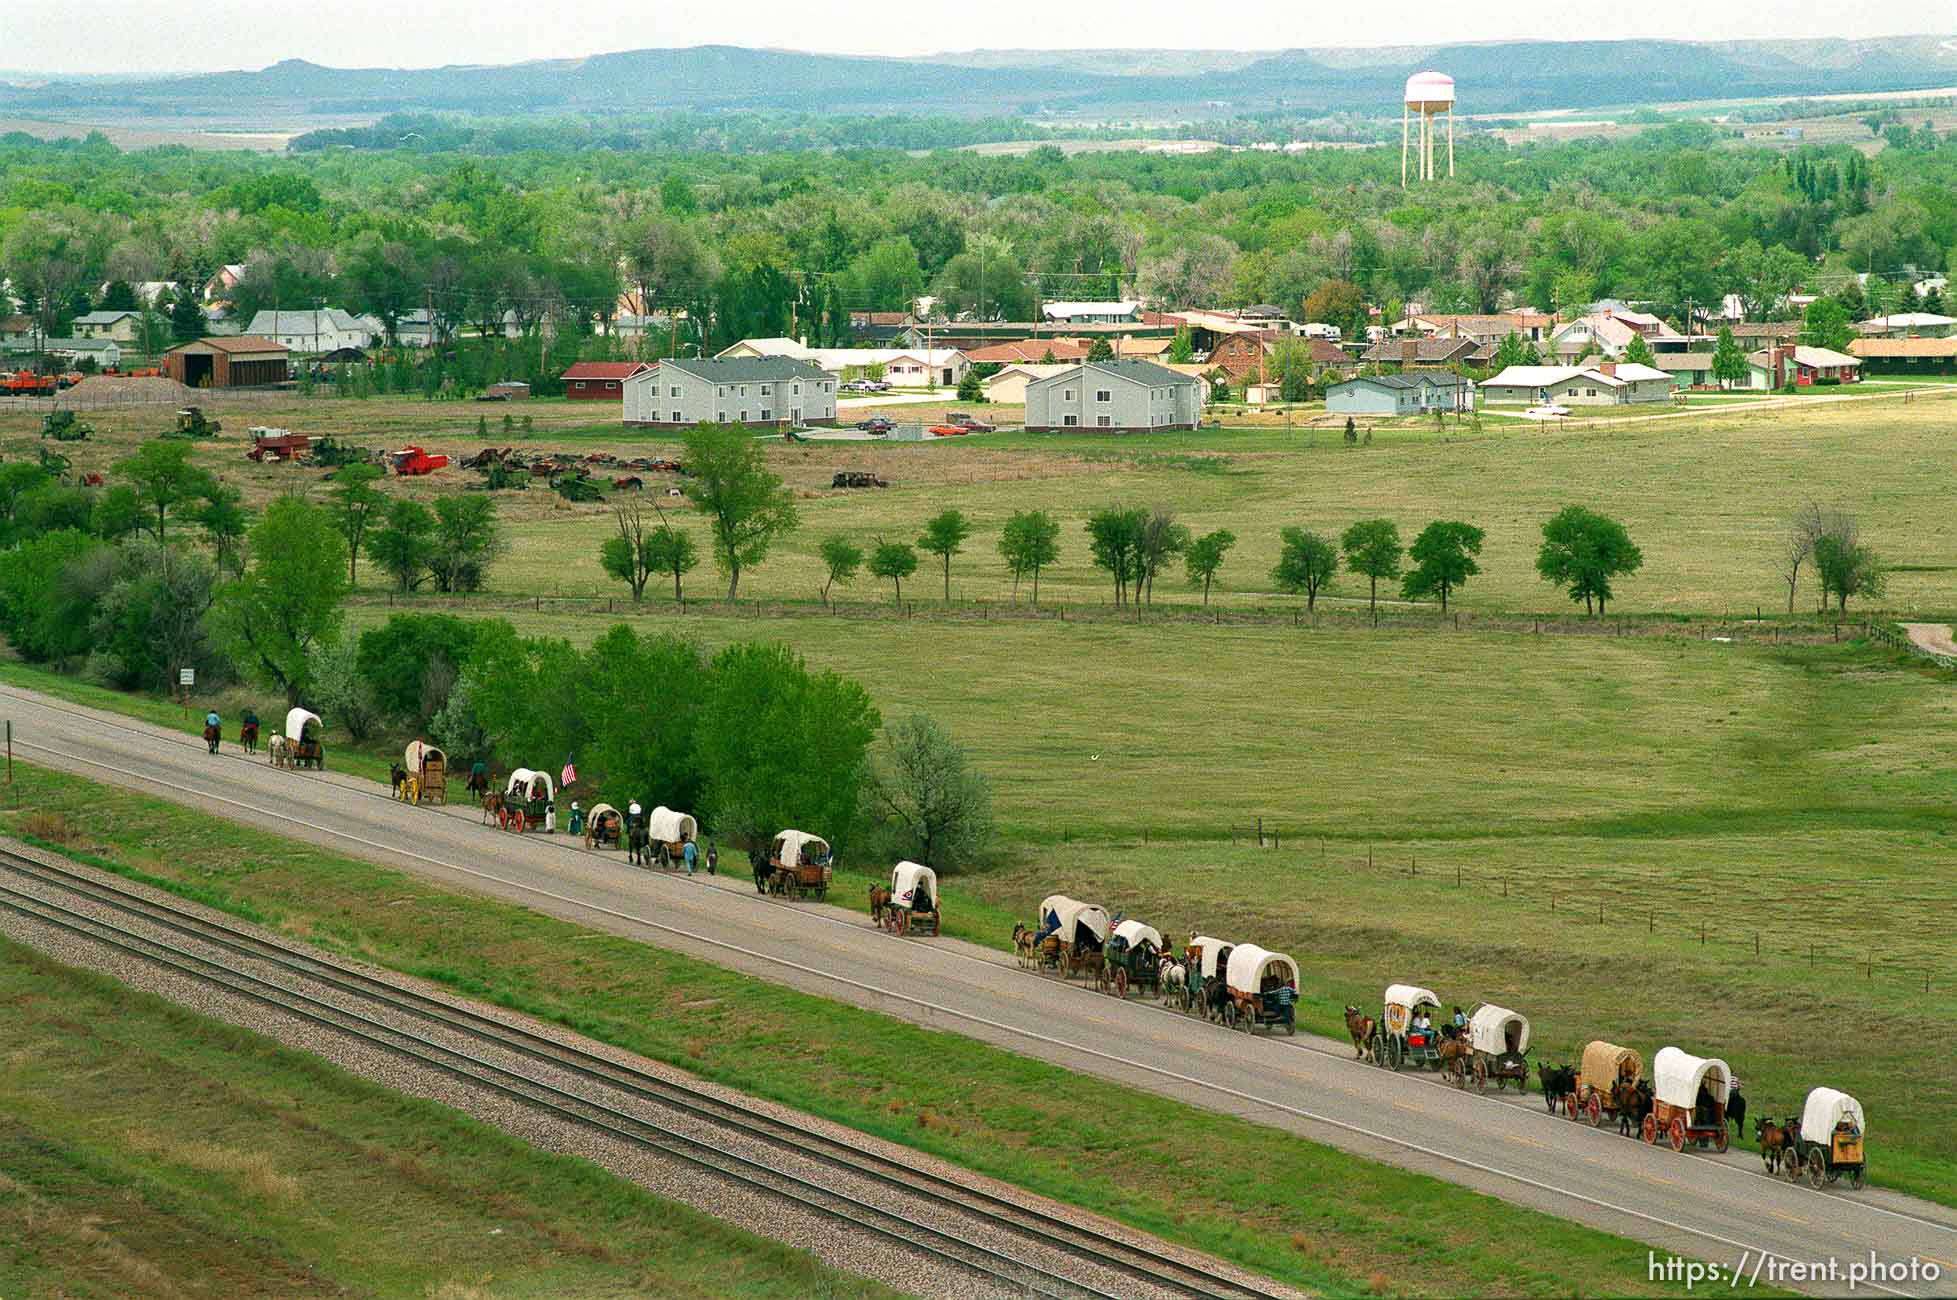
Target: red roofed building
600,381
1031,351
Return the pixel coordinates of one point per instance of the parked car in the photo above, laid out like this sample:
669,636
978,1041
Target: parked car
1547,411
967,421
875,424
949,431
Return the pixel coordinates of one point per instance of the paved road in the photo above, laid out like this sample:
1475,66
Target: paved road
1696,1205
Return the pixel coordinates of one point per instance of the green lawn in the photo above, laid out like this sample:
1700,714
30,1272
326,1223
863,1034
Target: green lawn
146,1150
1274,1202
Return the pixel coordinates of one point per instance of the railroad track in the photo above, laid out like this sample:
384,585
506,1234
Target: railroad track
1021,1223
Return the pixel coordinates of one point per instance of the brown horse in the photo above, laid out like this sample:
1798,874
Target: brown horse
492,807
879,903
1456,1057
1774,1141
1022,942
1362,1028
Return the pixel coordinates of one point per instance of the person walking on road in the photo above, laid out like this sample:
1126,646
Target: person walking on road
713,859
691,852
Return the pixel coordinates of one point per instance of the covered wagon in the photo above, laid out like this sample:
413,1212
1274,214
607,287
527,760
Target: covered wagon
1263,988
1204,989
800,864
424,774
1500,1039
1829,1144
1689,1099
1407,1031
302,739
529,801
1072,935
668,833
914,902
1134,958
1607,1082
604,827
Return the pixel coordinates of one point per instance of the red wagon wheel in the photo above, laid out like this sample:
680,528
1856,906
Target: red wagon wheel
1120,982
1677,1132
1650,1130
903,921
1595,1111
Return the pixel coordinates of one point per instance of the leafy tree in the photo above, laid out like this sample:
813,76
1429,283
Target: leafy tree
224,521
289,597
149,620
746,505
624,555
1443,558
117,512
17,479
1729,359
403,541
466,538
187,322
1808,524
1159,540
1113,534
668,550
50,508
413,660
1639,352
1204,557
1582,551
1337,302
1182,348
895,561
1826,325
1846,566
1509,352
1100,349
971,387
927,792
31,576
164,479
354,501
640,699
337,688
944,536
1306,562
1029,542
118,295
1372,548
841,558
779,746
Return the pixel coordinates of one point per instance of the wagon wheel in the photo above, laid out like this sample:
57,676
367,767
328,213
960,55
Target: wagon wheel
1817,1170
414,791
1121,982
903,921
1570,1107
1719,1142
1594,1111
1676,1132
1394,1056
1791,1162
1522,1080
1066,964
502,817
1855,1178
1481,1078
1650,1130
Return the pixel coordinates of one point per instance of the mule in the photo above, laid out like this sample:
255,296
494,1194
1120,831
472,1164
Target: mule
1558,1082
1362,1027
879,903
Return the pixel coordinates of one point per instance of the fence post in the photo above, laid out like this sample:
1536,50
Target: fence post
1756,943
1415,863
1600,911
1505,886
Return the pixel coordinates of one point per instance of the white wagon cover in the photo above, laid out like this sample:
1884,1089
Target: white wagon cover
1135,933
665,826
1248,963
1401,999
1072,914
1676,1077
599,810
1826,1108
1488,1030
419,752
1210,948
296,720
793,844
904,880
521,780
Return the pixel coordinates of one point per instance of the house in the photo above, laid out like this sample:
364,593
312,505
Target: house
106,353
1424,353
1029,352
880,327
316,330
1091,313
1904,356
1410,394
902,367
600,381
122,326
1009,385
218,288
1900,325
413,329
1609,383
1758,334
17,331
1529,325
1127,396
1687,369
1801,367
776,392
235,361
1608,332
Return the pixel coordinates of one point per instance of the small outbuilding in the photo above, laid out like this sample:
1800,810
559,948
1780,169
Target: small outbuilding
242,361
600,381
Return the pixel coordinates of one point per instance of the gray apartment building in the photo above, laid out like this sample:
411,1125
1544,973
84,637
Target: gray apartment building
1125,395
776,392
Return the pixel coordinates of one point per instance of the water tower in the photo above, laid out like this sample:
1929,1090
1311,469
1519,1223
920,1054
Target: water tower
1429,94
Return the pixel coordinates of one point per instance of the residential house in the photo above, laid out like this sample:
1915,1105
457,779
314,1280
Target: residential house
218,288
1908,324
1608,333
413,329
106,353
17,331
1009,385
1687,369
773,392
902,367
316,330
1530,325
1029,352
1609,383
1090,313
1905,356
1753,335
1801,367
600,381
148,292
1410,353
234,361
1123,396
121,325
881,327
1408,394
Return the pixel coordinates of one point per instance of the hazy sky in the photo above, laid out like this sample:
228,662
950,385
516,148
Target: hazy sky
54,36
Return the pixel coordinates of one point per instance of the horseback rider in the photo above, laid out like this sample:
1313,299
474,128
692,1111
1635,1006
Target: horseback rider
635,832
248,730
213,729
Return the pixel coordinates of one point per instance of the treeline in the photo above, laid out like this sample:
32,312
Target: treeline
686,132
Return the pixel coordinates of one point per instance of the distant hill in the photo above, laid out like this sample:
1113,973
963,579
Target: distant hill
1494,77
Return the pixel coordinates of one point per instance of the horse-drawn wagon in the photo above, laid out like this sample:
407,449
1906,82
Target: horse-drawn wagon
302,743
1206,962
1263,989
1830,1142
667,834
425,778
1406,1033
528,799
1607,1083
1689,1101
603,828
1133,958
800,865
1500,1039
914,900
1071,936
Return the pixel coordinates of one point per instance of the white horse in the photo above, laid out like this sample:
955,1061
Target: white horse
279,751
1170,977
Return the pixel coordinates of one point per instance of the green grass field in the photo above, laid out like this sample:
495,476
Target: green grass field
146,1150
1302,1212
